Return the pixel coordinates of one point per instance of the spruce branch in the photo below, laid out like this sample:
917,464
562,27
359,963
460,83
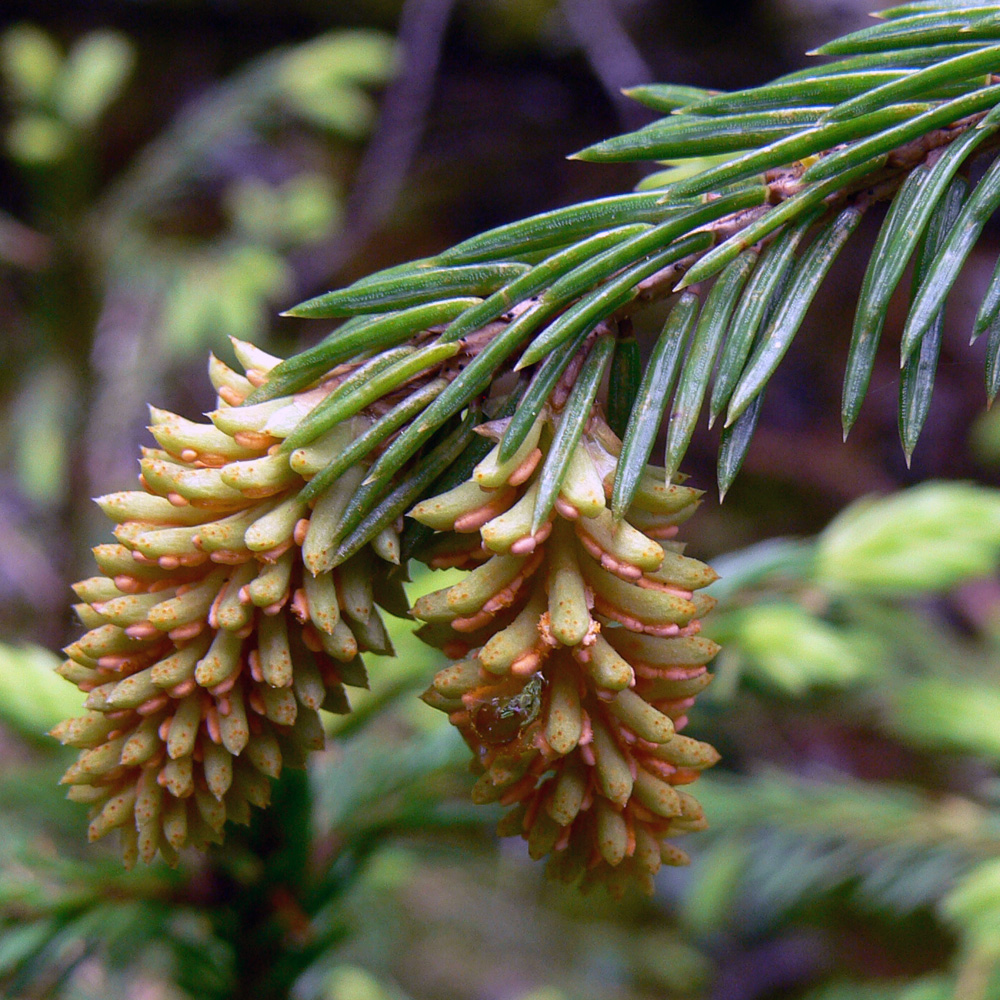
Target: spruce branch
912,98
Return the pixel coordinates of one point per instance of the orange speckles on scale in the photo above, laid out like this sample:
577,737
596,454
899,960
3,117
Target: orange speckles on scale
231,610
573,708
197,668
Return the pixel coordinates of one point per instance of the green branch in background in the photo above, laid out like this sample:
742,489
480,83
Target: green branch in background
780,841
862,630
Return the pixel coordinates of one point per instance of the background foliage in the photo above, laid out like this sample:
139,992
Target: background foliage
176,173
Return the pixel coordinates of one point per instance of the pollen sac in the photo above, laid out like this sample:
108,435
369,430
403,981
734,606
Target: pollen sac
220,624
579,657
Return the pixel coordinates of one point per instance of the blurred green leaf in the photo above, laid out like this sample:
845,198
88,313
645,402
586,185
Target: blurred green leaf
890,848
718,874
30,61
985,437
348,982
301,211
363,57
928,538
94,74
37,140
33,698
940,713
786,646
930,988
41,427
319,80
344,110
223,293
974,905
666,960
19,943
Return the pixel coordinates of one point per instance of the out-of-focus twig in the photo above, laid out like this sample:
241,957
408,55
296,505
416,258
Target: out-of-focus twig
612,54
22,246
387,158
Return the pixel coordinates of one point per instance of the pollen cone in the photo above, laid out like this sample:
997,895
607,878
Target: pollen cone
219,625
578,657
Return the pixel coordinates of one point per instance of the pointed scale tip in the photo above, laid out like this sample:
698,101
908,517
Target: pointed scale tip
688,283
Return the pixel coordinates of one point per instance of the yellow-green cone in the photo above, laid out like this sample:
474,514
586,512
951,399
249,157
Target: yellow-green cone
218,627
